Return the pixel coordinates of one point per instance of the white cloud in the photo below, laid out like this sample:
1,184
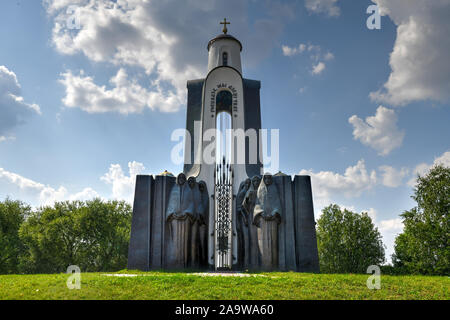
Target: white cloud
20,181
423,168
372,213
289,52
122,185
318,68
379,132
444,159
126,96
392,177
419,60
3,138
327,7
165,38
390,229
328,56
316,56
391,225
40,194
85,194
13,110
328,185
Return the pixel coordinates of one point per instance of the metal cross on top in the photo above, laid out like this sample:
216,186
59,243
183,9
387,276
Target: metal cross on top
225,30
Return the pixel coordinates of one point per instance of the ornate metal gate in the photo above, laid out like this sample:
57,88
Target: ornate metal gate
223,214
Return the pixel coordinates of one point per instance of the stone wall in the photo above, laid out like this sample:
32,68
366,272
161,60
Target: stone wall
297,244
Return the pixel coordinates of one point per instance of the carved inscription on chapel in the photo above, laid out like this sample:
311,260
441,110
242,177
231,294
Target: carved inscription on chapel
216,90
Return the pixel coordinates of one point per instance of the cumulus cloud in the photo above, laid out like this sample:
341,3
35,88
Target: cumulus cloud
318,68
41,194
327,7
390,229
392,177
125,96
315,54
123,185
167,39
13,109
379,132
289,52
391,225
328,56
372,213
327,184
352,183
3,138
419,60
423,168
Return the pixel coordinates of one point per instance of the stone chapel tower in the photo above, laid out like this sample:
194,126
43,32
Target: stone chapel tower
223,215
223,90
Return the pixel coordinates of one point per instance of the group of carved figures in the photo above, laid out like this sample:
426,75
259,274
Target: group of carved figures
259,213
187,224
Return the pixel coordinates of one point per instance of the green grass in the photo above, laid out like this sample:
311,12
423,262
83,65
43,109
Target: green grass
163,285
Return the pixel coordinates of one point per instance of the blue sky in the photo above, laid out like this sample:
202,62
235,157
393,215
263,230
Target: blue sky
362,111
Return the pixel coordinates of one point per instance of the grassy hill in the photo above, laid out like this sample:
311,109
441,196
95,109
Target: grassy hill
163,285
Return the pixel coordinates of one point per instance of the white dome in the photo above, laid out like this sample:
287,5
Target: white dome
224,50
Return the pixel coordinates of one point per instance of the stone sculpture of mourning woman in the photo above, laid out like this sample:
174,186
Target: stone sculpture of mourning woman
267,216
242,225
179,217
248,205
199,231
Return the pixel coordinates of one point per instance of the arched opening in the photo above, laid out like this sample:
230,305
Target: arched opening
224,133
224,101
223,192
225,59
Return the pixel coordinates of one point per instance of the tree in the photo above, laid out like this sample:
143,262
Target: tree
423,247
347,241
12,215
93,235
106,233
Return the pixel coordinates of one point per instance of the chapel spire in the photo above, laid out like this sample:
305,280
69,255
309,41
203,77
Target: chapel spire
225,30
224,50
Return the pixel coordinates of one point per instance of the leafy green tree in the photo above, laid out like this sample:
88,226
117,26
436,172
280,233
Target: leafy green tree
12,215
348,242
93,235
106,235
423,247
